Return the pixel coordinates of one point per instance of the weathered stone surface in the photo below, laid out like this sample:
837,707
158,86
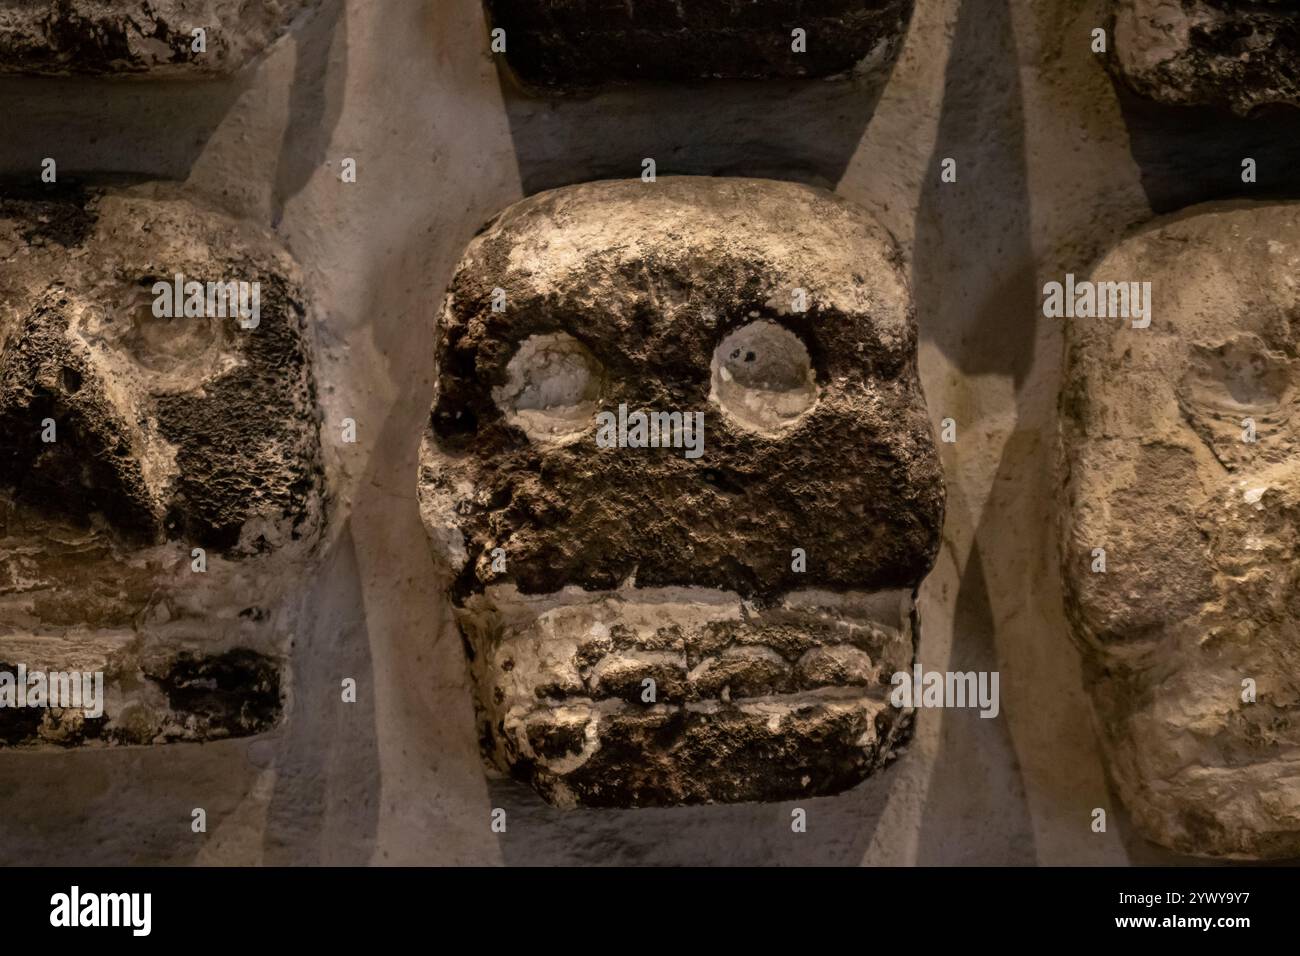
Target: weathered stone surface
1209,52
170,434
628,563
1201,529
154,37
575,44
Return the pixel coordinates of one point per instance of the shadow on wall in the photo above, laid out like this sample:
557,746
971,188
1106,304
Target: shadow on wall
315,103
1189,155
66,809
95,124
839,830
799,130
974,282
325,806
64,118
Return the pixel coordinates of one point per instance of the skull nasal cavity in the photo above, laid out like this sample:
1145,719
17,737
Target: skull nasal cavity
762,377
552,385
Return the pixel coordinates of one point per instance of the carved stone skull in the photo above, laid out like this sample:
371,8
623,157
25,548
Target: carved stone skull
161,486
680,473
1209,52
1181,545
575,44
173,38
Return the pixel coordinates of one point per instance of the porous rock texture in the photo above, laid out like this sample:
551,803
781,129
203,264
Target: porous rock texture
624,565
578,44
1198,602
169,434
1225,53
153,37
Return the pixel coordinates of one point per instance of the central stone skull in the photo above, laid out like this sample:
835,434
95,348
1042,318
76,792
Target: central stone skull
659,611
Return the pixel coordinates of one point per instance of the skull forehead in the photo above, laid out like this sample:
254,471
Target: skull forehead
656,270
784,235
111,246
1225,303
1223,345
108,250
651,280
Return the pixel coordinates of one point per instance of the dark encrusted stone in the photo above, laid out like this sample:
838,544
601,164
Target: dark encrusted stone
138,37
575,44
1224,53
245,439
653,289
640,627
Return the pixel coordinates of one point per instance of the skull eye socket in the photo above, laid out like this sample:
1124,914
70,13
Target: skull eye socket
552,385
160,344
762,377
1238,376
1236,384
180,354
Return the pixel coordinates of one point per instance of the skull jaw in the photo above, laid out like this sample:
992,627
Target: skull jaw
1247,812
1156,728
1205,767
181,656
671,696
1201,771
